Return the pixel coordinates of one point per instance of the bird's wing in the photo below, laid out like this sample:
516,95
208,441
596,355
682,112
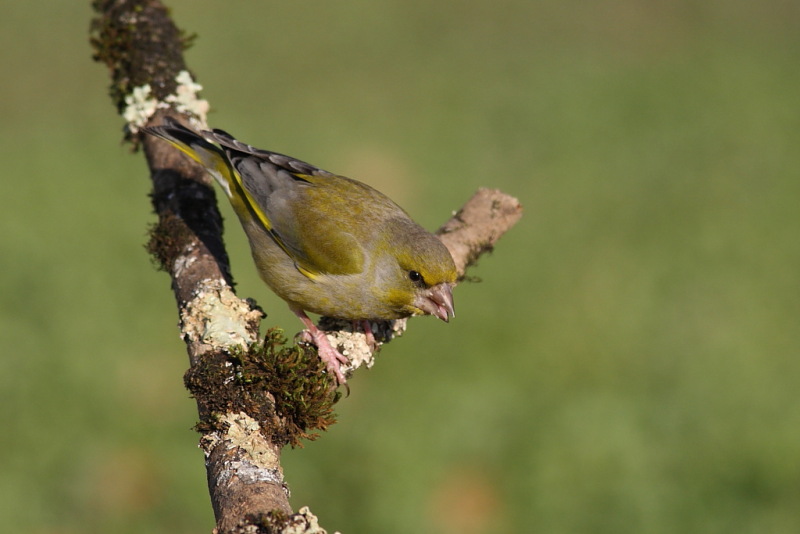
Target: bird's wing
313,215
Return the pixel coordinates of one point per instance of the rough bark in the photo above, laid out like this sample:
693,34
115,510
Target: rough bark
242,430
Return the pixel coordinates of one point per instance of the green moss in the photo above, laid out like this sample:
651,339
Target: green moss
284,388
166,238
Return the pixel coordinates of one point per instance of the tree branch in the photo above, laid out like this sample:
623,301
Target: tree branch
252,398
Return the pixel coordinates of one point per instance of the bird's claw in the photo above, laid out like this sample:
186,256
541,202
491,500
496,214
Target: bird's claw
372,343
327,353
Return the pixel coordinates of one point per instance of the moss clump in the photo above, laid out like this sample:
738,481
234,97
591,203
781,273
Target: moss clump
166,241
284,388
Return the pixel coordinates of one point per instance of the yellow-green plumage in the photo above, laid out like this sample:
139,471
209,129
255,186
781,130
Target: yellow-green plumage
324,243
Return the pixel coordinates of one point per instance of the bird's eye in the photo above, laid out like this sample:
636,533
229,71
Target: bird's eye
414,276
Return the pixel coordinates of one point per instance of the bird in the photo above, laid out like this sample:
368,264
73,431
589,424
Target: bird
324,243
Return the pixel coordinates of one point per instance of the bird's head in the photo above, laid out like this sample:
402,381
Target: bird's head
420,274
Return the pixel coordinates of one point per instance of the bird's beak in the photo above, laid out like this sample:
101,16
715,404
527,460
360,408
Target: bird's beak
438,301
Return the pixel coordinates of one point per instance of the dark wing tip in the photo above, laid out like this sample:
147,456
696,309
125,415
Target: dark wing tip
283,161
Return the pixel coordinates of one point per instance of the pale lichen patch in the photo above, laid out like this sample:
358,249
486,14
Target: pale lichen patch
304,522
141,105
217,317
186,99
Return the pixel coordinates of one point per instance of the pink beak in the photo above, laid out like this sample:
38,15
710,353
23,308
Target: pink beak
437,301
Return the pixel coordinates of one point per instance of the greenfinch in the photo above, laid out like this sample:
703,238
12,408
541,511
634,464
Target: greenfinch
324,243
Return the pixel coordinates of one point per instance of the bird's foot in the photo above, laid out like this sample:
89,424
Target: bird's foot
333,358
366,326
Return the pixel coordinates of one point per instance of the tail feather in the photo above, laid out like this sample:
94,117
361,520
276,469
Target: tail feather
217,163
192,144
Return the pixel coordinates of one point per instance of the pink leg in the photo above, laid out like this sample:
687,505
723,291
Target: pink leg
332,357
367,328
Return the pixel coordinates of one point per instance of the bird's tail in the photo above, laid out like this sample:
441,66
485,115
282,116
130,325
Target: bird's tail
195,146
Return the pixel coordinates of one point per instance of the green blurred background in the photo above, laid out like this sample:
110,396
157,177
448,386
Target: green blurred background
629,364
